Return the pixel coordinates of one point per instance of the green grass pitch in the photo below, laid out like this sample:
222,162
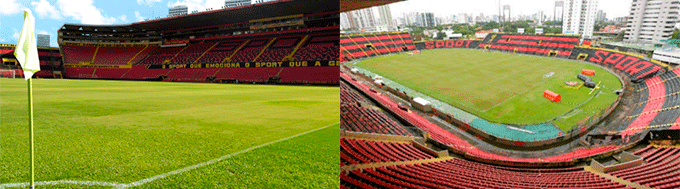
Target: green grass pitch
126,131
498,87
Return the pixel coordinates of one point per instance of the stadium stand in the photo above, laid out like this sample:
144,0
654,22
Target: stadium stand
658,107
647,110
372,44
247,74
550,45
49,57
457,173
117,55
305,75
223,50
320,47
366,151
280,48
348,95
633,67
78,54
292,45
162,54
662,169
140,72
360,119
192,52
251,50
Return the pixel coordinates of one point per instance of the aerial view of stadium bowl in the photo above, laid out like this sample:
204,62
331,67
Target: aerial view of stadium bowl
509,94
169,94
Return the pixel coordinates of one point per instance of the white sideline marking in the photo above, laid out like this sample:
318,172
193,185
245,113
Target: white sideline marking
60,182
146,180
163,175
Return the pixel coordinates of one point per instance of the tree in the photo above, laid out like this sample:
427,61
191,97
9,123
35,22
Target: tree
440,35
619,37
676,34
490,25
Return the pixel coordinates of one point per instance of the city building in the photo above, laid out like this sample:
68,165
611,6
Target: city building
651,21
620,19
558,11
374,19
385,17
506,17
669,56
178,10
601,16
43,40
579,17
236,3
428,19
362,19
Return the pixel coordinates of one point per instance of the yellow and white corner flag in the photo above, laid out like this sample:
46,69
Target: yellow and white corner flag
26,50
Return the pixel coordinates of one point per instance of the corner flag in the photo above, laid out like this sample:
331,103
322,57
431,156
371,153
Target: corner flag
26,50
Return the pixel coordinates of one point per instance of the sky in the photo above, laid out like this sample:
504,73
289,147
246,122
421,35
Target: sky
50,15
441,8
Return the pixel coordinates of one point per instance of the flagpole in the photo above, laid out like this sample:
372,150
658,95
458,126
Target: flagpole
30,128
26,53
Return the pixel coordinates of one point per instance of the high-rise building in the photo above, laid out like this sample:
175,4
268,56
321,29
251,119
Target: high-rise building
43,40
236,3
559,6
620,19
651,21
538,18
178,10
506,17
385,16
428,19
601,16
579,17
362,19
345,21
370,19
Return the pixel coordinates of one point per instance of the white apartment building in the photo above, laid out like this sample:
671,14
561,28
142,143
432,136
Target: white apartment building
651,21
373,19
579,17
670,56
178,11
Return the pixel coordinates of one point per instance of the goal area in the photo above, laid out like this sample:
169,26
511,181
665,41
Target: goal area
8,73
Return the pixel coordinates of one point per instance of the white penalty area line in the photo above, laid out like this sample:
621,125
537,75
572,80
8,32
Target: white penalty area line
160,176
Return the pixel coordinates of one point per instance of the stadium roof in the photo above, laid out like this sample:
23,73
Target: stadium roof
350,5
219,16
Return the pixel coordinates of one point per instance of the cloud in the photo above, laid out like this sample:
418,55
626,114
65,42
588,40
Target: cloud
45,9
15,36
9,7
148,2
1,39
42,32
122,18
139,17
85,12
199,5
